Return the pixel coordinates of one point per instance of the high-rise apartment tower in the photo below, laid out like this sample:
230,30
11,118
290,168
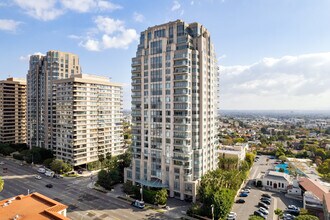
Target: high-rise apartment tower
13,111
43,71
88,118
174,108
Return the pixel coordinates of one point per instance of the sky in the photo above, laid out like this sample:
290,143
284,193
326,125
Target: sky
273,54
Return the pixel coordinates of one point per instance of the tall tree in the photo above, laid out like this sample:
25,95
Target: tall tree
2,184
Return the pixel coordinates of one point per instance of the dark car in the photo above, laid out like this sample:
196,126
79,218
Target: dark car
240,201
243,195
266,195
266,201
261,204
293,211
258,213
49,185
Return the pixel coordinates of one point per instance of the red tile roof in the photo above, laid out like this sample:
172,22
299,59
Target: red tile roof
313,186
326,199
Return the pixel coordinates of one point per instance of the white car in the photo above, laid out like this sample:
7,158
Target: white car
37,177
41,170
232,216
2,163
263,210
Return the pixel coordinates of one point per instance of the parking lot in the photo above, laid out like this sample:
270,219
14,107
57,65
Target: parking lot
278,200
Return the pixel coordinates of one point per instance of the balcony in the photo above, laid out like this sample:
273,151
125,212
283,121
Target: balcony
180,63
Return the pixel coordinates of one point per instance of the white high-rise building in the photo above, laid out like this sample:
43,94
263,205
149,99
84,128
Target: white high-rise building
174,108
77,116
88,118
43,71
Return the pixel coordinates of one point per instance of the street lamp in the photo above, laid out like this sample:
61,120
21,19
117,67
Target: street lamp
212,210
141,191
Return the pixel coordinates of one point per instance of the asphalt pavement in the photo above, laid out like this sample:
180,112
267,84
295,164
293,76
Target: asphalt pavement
83,203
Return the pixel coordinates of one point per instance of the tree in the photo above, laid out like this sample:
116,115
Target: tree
282,158
307,217
279,213
321,153
2,183
101,159
223,200
249,157
59,166
161,197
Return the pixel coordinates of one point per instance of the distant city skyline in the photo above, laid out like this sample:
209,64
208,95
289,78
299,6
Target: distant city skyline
272,54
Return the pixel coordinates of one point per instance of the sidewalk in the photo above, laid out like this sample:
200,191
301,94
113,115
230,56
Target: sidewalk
177,209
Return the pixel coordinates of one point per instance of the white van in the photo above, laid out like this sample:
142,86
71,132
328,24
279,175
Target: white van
41,170
49,173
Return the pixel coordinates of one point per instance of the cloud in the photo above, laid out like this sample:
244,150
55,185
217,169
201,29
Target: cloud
27,57
9,25
90,44
176,6
47,10
138,17
89,5
289,82
40,9
109,33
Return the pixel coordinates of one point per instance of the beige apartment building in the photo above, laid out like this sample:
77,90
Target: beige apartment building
88,118
43,71
174,108
13,111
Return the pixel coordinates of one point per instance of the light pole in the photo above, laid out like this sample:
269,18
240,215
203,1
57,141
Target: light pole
141,191
212,210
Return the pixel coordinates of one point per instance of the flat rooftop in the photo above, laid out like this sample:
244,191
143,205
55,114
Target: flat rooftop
33,206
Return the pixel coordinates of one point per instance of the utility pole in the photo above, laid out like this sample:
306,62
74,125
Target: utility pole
212,210
141,191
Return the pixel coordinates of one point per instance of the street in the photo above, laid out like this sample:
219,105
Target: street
83,203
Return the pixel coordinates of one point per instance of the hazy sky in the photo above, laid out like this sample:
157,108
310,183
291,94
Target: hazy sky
274,54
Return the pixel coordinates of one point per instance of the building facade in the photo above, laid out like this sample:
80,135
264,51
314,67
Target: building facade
13,111
43,71
88,115
174,108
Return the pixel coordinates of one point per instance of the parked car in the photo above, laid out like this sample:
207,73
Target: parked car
266,201
258,213
293,211
247,187
138,204
287,216
245,191
293,207
263,210
264,205
37,177
243,195
240,201
232,216
49,185
80,171
2,163
266,195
